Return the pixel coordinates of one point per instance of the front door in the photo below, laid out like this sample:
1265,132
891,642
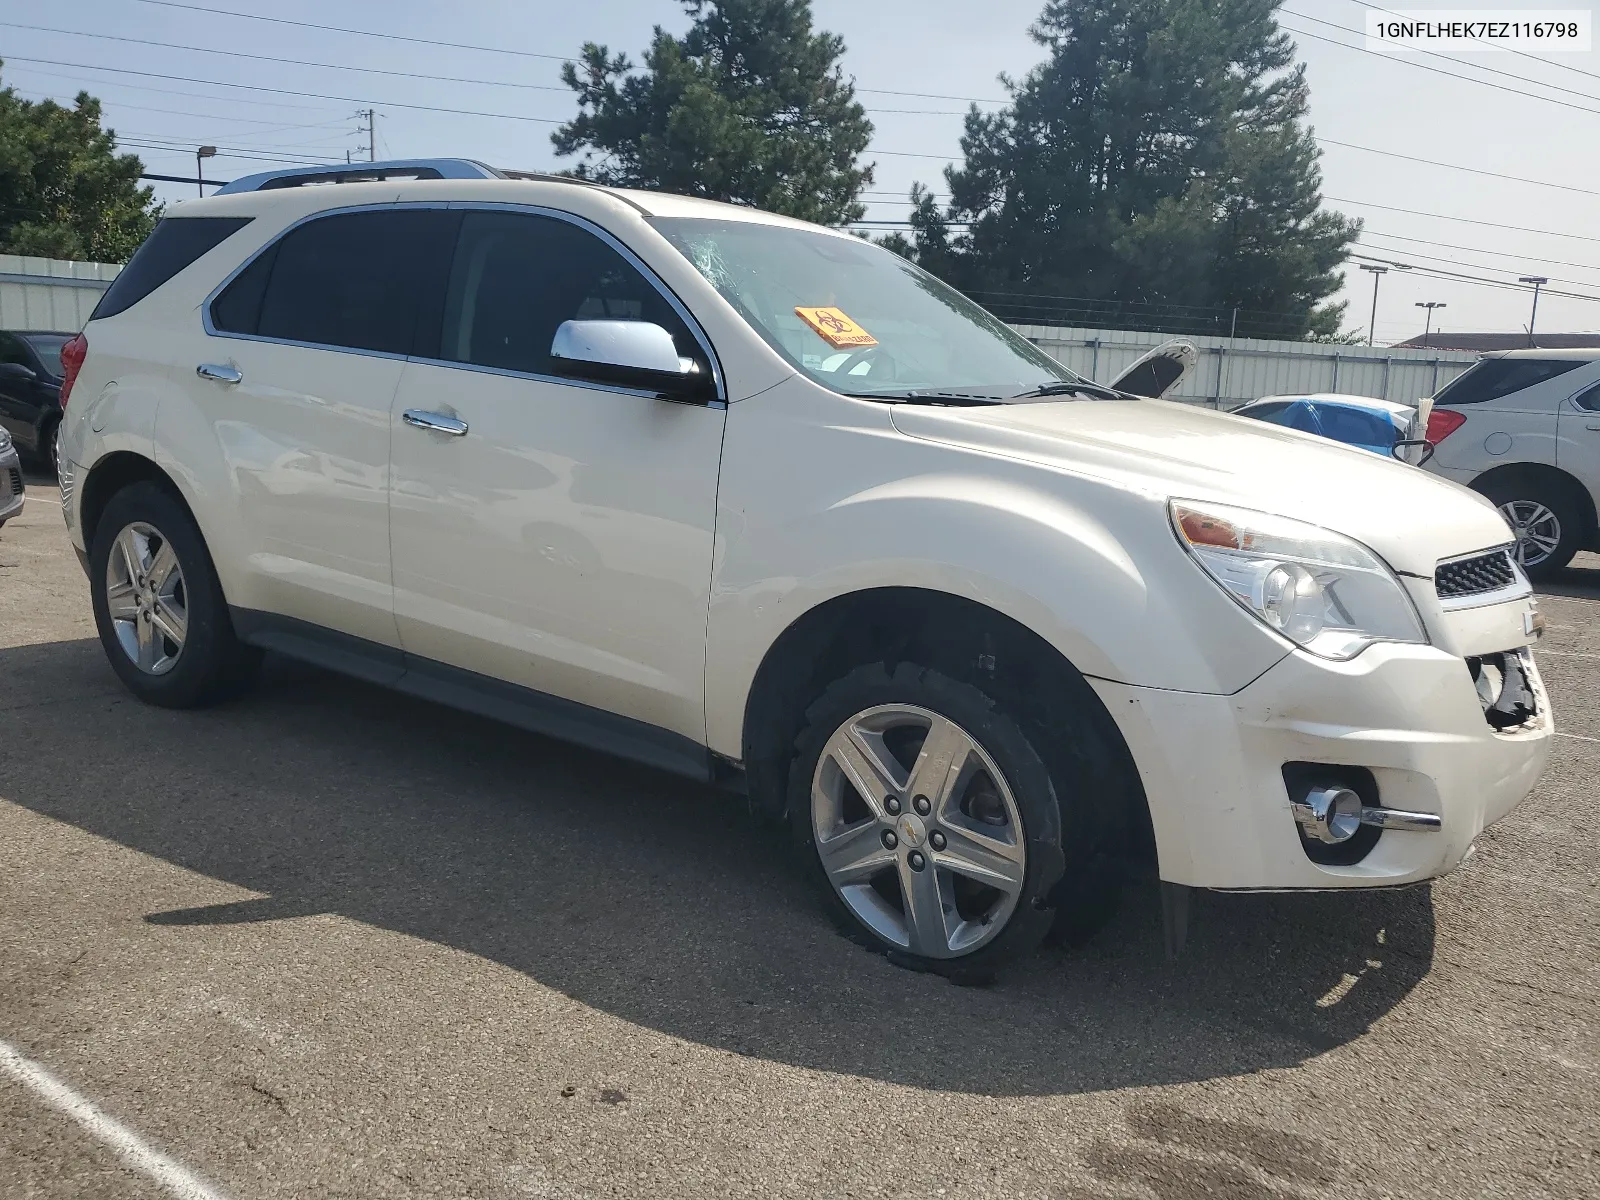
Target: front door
562,542
1578,439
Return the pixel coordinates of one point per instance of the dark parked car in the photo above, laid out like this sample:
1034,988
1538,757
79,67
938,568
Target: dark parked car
30,391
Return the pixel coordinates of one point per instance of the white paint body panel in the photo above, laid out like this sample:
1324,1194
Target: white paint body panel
642,557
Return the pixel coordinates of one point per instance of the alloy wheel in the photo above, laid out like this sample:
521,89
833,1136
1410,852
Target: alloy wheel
918,831
1537,528
146,598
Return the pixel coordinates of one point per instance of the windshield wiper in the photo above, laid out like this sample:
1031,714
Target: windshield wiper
922,397
1081,387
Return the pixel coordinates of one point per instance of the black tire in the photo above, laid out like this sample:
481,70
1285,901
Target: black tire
1046,810
1558,500
46,453
213,664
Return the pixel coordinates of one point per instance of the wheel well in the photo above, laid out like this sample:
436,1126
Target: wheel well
108,477
959,637
1543,476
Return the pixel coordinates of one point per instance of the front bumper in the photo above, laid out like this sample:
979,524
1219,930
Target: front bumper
11,488
1212,766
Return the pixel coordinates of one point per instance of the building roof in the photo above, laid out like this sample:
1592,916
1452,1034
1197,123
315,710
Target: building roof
1485,342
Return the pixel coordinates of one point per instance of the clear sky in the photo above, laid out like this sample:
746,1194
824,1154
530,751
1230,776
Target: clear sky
943,47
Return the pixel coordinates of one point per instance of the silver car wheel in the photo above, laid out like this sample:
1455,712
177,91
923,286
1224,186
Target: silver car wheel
918,830
1538,530
146,598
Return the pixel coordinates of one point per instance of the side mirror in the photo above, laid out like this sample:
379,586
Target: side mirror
18,372
637,354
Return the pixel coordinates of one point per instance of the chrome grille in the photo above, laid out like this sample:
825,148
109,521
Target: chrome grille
1473,576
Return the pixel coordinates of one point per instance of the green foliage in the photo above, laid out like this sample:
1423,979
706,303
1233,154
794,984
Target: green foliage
1156,157
749,106
65,192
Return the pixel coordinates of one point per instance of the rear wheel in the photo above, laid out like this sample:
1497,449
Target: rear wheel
1546,519
927,819
50,447
158,606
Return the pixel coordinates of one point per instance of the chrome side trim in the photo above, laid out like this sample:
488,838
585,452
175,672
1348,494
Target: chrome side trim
655,281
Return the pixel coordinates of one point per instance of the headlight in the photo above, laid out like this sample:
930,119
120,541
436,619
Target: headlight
5,440
1319,589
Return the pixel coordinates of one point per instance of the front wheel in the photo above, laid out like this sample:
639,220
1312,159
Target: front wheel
928,820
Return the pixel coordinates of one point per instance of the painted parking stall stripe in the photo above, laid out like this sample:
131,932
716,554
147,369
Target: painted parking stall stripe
128,1145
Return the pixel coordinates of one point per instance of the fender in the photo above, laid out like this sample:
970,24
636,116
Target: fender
1043,547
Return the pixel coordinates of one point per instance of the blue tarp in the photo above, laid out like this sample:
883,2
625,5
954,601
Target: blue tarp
1355,425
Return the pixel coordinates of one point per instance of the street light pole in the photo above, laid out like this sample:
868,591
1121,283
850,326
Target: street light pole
1377,274
1427,327
200,155
1538,281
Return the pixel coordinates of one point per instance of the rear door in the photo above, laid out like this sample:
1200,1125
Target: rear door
305,348
561,540
19,389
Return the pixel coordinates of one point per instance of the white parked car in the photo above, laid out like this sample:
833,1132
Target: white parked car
764,504
1523,428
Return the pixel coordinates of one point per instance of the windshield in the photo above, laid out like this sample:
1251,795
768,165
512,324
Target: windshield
859,318
48,347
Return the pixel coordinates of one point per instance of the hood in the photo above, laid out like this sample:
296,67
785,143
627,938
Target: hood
1155,374
1411,518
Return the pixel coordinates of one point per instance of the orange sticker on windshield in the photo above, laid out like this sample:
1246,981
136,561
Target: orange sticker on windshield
835,328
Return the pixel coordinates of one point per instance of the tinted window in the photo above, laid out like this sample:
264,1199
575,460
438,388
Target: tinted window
354,280
172,245
516,277
48,347
1589,398
1495,377
13,351
238,308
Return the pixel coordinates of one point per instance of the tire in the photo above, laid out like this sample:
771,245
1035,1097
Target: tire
1542,509
49,442
982,928
208,663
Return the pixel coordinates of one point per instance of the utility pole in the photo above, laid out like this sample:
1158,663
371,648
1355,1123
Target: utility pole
1377,274
370,116
1538,282
1427,328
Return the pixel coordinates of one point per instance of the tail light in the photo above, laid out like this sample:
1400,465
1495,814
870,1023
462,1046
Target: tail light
1442,422
72,356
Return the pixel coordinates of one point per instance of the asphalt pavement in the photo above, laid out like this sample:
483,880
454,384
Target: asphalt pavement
327,941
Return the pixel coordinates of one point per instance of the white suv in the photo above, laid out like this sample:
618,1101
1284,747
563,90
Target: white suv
763,504
1523,428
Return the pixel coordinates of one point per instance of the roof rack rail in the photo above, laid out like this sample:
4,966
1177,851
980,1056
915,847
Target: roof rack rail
406,168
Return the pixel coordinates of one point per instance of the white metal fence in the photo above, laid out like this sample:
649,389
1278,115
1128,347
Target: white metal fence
45,293
1232,372
48,293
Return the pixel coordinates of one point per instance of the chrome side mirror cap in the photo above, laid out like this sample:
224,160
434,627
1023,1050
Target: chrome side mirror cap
637,354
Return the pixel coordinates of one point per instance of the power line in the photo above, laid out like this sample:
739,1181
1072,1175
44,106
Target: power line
1440,273
301,62
1457,167
145,87
1558,262
1462,220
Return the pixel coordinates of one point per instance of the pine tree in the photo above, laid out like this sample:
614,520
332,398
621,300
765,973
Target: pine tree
65,192
749,106
1158,156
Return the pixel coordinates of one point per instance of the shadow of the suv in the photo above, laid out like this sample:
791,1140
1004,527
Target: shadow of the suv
656,899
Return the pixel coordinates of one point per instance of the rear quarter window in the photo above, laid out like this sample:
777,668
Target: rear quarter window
172,245
1496,377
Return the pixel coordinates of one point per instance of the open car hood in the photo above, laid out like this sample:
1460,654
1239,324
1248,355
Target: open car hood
1155,374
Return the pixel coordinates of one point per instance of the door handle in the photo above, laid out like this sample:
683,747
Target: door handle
1595,427
219,372
438,422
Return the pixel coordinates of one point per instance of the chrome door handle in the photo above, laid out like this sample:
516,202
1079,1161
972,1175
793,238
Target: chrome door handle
437,422
219,372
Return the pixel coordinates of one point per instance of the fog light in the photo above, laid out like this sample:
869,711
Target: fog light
1331,814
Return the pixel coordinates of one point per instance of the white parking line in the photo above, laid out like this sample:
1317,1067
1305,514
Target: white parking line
1577,737
129,1146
